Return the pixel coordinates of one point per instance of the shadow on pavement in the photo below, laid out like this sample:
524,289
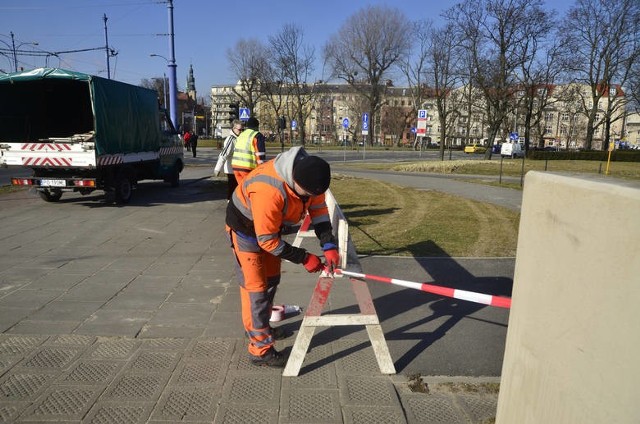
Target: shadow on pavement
156,193
420,319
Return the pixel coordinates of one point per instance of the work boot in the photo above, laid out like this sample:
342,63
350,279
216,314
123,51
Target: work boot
272,358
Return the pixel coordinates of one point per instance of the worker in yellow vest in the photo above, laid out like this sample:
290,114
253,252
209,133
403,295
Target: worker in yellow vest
250,150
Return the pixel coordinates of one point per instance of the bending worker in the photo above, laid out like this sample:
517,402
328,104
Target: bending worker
276,194
250,150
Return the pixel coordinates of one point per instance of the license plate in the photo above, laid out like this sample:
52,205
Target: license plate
53,183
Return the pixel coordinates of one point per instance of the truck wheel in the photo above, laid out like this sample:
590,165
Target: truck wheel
123,189
50,195
110,196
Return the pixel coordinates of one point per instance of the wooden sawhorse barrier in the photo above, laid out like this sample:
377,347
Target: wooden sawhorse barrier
313,315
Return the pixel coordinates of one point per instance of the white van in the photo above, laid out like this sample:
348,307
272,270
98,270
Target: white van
512,150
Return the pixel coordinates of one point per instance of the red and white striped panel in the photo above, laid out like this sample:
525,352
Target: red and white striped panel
36,147
44,161
105,160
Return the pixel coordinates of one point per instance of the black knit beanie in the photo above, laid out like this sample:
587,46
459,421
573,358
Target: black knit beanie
312,174
253,124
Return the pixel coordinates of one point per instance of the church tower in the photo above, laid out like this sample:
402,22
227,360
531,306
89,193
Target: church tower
191,84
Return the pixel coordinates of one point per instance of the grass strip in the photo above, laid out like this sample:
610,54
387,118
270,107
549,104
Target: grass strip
386,219
512,167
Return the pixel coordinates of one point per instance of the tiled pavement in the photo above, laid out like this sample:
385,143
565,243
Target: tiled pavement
94,379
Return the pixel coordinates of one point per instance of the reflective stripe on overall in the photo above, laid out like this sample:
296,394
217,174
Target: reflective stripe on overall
259,276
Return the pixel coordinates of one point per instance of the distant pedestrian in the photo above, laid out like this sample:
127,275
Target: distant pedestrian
250,150
226,155
187,140
194,143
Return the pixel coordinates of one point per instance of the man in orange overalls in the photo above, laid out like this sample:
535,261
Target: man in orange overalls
276,194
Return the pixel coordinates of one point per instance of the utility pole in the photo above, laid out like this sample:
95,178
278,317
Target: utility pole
173,89
106,46
14,49
15,56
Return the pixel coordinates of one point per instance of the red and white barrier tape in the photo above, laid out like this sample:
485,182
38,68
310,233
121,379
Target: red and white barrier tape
486,299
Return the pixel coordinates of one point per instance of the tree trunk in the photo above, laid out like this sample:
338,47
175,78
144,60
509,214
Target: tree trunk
588,142
493,132
607,135
443,135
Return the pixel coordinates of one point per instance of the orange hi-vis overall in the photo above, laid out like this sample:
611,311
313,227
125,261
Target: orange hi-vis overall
260,207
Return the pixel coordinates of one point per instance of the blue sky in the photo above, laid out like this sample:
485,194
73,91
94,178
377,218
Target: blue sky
204,30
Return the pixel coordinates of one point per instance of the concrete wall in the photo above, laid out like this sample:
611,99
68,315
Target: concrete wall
573,344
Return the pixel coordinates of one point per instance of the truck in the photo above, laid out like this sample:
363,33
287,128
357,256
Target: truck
81,133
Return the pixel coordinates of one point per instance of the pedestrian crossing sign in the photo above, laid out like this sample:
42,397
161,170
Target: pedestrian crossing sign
244,113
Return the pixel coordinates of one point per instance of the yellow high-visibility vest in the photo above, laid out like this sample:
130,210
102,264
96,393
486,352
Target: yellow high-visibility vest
243,155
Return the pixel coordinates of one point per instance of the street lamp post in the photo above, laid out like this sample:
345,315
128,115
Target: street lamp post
173,87
164,80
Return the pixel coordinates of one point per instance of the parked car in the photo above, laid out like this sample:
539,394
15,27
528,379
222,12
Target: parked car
512,150
474,148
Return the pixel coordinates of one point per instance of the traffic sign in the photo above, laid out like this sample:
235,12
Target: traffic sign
294,124
514,136
365,124
245,113
421,127
345,123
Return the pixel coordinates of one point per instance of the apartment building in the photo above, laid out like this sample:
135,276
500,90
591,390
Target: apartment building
557,115
221,97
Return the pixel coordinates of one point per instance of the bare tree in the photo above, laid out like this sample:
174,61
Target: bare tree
634,88
364,50
273,92
602,47
444,72
497,34
158,84
293,60
248,61
414,66
538,73
394,121
466,101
